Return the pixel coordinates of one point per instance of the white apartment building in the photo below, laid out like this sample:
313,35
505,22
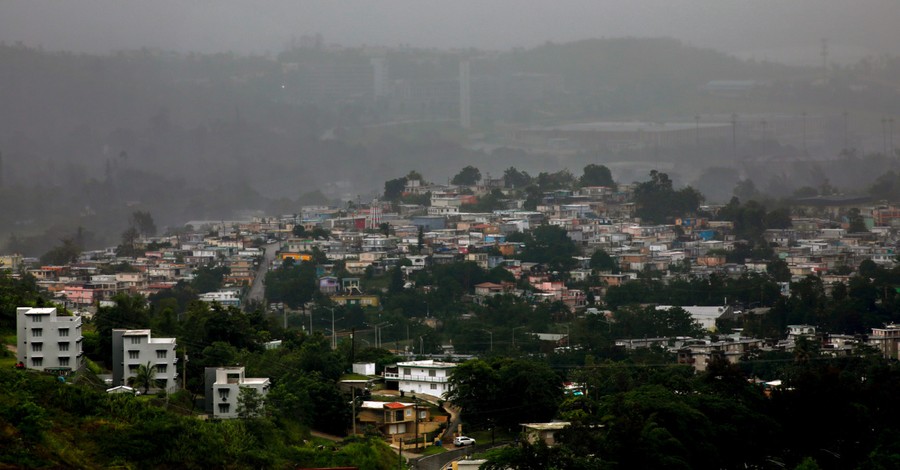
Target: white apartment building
47,341
429,377
223,387
132,348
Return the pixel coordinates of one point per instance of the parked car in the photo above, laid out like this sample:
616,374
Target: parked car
463,441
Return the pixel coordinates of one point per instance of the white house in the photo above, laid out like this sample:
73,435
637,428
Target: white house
428,376
223,297
706,316
223,387
47,340
132,348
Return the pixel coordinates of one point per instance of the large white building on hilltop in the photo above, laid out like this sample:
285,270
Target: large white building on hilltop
132,348
428,377
48,341
223,387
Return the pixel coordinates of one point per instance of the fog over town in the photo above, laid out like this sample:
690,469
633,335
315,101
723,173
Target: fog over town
496,234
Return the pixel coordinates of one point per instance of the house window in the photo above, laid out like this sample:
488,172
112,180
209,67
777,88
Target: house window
36,319
434,386
64,362
423,414
63,346
63,332
233,378
160,353
37,361
134,354
161,368
37,347
223,407
135,340
407,371
132,368
223,393
37,332
432,373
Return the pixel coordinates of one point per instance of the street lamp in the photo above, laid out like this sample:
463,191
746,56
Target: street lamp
514,335
378,328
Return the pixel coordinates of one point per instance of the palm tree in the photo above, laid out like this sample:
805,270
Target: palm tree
144,377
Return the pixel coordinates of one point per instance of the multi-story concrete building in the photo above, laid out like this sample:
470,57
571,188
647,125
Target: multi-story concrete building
429,376
887,340
48,341
132,348
223,387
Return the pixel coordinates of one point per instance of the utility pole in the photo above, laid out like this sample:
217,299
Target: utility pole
353,406
416,417
184,370
333,333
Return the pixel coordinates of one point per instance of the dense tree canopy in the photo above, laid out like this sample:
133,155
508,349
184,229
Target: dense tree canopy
657,202
597,175
550,245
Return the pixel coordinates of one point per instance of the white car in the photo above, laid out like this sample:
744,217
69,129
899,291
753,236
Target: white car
463,441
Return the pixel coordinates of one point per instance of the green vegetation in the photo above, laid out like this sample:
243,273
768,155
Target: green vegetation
659,203
46,423
667,417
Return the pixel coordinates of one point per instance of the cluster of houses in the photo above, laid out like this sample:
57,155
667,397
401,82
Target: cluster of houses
699,353
52,342
375,237
98,275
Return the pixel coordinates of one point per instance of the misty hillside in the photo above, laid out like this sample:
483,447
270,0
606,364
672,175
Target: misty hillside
86,140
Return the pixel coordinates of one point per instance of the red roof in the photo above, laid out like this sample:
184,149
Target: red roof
395,405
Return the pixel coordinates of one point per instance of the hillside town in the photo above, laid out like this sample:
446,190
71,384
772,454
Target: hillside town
817,238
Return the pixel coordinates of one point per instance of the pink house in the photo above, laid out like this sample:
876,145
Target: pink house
80,295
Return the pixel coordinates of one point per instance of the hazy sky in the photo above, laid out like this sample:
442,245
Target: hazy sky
788,30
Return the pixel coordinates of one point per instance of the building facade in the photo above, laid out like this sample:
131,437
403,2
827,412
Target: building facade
429,377
223,387
133,348
48,341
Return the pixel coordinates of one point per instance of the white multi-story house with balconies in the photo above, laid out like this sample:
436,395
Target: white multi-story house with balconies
133,348
223,387
429,377
48,341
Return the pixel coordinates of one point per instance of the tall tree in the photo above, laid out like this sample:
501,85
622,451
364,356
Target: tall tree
143,222
468,176
597,175
144,377
513,178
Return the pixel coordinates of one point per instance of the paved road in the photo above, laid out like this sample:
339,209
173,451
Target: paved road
439,461
257,290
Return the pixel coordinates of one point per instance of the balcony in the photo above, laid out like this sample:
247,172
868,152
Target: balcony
415,378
